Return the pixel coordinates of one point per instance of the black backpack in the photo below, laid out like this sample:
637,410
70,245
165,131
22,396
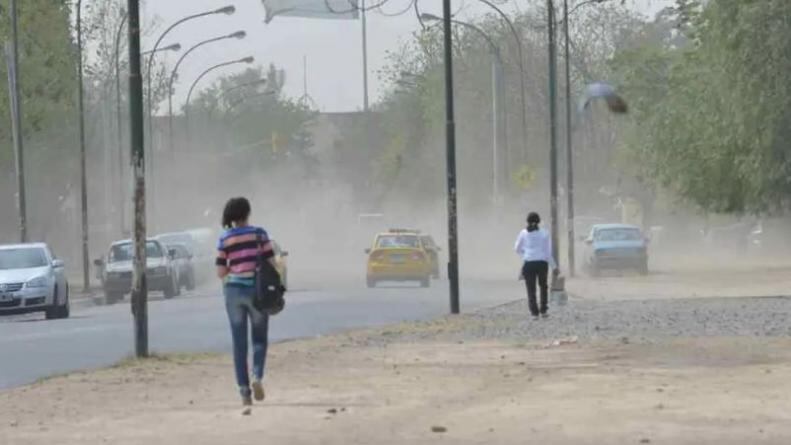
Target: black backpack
269,290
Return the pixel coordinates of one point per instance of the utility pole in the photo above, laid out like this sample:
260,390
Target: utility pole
137,136
86,265
365,57
497,70
569,148
12,55
450,139
553,129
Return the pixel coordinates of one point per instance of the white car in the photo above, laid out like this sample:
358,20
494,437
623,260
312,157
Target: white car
116,270
32,280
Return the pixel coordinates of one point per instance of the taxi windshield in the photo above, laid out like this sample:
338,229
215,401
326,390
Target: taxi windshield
398,241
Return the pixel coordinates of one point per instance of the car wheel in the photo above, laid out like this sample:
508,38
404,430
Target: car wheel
112,297
370,282
191,281
171,290
57,311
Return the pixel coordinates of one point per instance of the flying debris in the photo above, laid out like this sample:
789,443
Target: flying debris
602,90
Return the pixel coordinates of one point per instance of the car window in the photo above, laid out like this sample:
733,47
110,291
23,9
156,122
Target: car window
23,258
618,235
398,241
125,252
181,251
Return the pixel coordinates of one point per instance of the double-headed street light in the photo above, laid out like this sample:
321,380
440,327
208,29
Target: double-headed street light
498,98
247,60
237,35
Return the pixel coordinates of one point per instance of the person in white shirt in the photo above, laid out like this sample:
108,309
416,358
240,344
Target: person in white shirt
534,246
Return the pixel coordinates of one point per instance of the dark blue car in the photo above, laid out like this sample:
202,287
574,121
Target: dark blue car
616,247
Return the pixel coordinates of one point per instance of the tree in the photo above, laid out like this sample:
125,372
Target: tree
47,70
255,115
711,115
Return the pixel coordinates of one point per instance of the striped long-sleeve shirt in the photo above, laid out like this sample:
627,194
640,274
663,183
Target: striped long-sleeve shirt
238,250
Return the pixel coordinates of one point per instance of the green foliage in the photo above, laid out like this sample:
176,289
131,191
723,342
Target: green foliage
711,117
255,116
47,70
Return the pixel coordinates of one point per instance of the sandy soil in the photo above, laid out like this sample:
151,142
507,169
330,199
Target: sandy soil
350,389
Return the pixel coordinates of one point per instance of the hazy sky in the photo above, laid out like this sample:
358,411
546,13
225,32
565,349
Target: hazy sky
333,48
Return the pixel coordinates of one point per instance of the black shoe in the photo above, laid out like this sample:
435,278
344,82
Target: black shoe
544,315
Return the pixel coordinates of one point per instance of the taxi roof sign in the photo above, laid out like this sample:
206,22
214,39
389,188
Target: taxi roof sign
412,231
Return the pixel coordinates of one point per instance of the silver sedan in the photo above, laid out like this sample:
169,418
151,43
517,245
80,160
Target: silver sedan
32,280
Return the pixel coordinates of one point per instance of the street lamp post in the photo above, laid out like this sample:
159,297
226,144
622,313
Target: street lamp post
450,140
174,47
553,133
236,35
119,123
16,115
569,152
86,278
569,148
520,55
498,100
247,60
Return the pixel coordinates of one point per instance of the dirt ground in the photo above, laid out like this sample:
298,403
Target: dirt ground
358,389
685,278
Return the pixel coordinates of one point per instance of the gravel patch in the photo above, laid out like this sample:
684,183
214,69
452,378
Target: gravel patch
644,321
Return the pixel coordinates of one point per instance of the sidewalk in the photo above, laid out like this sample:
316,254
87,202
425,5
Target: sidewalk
411,384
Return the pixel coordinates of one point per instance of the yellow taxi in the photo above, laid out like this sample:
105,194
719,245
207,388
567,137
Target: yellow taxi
398,255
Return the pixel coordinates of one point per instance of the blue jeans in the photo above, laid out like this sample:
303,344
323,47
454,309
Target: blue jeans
239,305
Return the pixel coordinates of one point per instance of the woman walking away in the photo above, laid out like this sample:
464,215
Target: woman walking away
534,246
237,255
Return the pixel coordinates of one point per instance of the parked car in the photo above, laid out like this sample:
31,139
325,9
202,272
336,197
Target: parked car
282,263
32,280
182,257
161,270
201,244
616,247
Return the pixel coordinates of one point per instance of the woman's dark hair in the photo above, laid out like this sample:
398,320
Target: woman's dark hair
533,220
236,210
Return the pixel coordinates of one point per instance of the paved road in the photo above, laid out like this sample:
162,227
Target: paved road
32,348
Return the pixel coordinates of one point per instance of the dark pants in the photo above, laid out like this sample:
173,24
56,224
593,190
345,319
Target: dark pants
239,304
536,271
